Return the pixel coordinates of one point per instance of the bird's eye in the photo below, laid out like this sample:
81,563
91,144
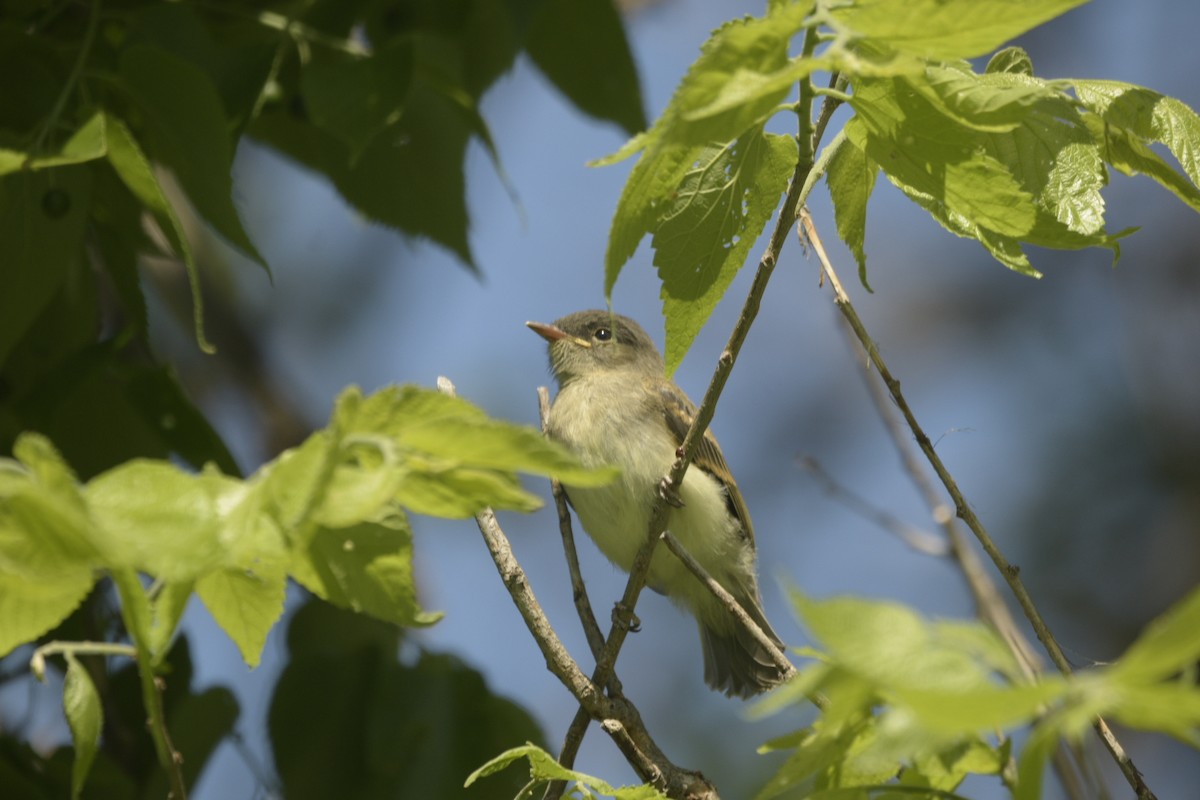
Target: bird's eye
602,334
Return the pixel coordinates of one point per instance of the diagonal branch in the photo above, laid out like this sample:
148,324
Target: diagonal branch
963,511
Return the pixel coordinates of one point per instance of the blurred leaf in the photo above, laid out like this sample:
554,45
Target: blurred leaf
135,170
85,718
945,29
155,518
851,179
410,175
166,609
1170,708
29,607
43,215
704,234
189,133
86,144
1013,60
1167,645
356,98
366,568
947,769
543,769
386,729
580,45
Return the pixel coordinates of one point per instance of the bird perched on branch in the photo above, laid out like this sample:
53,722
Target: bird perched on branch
616,406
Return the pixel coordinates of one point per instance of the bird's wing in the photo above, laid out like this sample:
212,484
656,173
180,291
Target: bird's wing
679,412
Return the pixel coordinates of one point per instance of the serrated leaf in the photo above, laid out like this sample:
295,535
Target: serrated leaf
85,718
356,97
1147,115
734,85
851,179
245,595
29,607
366,568
190,134
1132,156
43,216
86,144
131,164
543,768
704,234
944,29
580,46
424,148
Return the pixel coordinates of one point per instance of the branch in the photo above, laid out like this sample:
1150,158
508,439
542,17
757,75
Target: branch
618,717
731,604
963,511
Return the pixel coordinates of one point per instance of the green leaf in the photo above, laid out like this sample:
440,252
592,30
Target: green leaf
245,595
153,517
920,147
1013,60
189,133
131,164
45,532
43,216
1132,156
543,768
722,95
1148,115
1172,708
943,29
85,717
355,98
366,568
851,179
1168,644
30,607
703,236
424,148
166,609
407,730
580,46
458,434
86,144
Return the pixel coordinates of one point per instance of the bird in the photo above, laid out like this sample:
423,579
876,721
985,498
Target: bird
616,406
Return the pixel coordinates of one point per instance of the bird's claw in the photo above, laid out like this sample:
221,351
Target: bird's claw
623,617
668,493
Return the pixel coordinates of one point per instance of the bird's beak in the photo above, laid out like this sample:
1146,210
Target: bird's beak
552,334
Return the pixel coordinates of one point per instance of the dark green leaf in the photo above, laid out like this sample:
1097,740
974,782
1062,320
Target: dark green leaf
42,219
704,234
409,177
580,46
356,98
189,133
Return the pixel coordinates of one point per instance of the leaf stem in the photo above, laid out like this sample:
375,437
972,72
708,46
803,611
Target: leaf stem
37,662
60,102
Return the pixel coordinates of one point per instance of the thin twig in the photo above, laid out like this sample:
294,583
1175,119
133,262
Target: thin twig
618,716
917,538
1008,571
730,603
591,629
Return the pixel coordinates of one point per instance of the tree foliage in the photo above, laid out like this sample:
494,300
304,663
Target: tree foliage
119,500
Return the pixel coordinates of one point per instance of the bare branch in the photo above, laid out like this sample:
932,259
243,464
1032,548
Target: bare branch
963,511
731,604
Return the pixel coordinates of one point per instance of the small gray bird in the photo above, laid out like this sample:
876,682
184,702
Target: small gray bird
616,406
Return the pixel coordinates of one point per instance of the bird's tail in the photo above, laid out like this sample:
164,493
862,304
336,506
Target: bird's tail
734,661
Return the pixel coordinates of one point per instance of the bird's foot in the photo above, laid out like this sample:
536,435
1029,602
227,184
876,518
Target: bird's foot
623,617
669,493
